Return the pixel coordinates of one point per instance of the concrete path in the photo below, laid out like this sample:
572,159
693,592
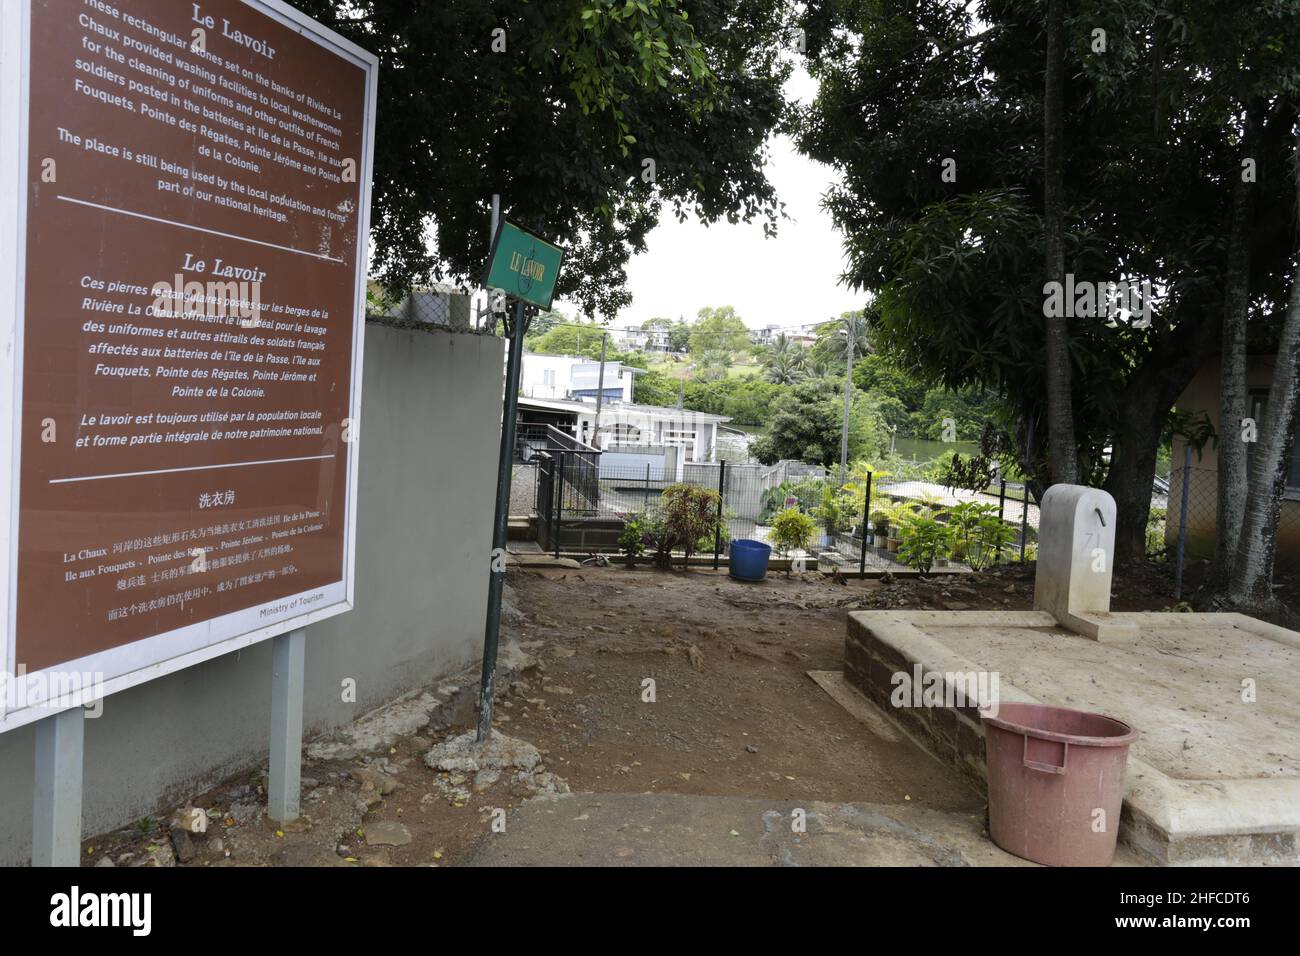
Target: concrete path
626,829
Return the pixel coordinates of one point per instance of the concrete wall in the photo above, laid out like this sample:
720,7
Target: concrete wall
429,443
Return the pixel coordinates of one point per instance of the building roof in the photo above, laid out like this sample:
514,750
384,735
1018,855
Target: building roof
587,360
649,411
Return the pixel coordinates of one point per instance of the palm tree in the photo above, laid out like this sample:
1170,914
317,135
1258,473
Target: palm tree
819,366
850,327
713,365
785,361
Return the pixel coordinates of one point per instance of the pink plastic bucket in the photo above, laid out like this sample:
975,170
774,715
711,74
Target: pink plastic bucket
1056,782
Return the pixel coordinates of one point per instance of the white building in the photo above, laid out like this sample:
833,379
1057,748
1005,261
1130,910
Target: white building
628,428
573,377
629,339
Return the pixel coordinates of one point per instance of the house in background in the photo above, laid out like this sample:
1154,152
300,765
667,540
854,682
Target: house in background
1203,395
678,436
573,377
629,339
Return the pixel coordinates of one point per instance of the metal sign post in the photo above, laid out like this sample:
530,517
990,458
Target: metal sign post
500,525
288,676
525,267
56,798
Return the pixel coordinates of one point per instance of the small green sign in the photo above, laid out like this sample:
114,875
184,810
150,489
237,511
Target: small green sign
524,266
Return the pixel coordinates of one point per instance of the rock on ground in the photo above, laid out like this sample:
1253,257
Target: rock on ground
463,753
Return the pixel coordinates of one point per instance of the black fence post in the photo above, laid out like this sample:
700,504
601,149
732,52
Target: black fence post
866,518
717,532
1002,511
645,496
559,503
1182,521
1024,519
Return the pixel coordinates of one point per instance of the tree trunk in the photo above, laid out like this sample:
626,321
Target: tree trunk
1252,573
1062,448
1133,466
1234,396
1151,391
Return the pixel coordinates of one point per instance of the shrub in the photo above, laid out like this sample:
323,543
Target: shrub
690,516
632,541
980,535
924,540
792,530
656,537
806,490
830,511
722,536
1155,534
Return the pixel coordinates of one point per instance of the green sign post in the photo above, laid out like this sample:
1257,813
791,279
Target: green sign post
524,266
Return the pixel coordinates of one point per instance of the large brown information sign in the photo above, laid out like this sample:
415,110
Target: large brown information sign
186,190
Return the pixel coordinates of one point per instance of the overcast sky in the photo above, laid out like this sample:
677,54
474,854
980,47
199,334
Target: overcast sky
788,280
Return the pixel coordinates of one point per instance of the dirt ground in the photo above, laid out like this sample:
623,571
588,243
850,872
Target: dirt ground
731,712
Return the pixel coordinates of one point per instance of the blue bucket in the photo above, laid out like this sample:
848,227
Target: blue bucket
748,560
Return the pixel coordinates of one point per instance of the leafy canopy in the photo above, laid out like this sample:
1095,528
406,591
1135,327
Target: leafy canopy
595,118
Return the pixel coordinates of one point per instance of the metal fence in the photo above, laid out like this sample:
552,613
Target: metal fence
444,306
583,505
1185,532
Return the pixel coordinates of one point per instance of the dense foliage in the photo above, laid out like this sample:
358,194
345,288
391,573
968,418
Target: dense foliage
590,118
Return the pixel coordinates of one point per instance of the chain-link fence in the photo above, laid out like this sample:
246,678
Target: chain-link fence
445,306
585,503
1185,531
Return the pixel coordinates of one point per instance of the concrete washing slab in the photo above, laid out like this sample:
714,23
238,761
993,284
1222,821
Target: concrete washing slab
1215,776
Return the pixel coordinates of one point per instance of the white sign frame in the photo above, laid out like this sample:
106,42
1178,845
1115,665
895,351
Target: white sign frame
144,660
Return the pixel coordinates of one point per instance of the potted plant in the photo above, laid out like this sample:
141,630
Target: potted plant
879,528
792,530
830,514
899,515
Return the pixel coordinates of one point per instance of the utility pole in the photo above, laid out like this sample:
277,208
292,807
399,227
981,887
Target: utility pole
847,332
600,390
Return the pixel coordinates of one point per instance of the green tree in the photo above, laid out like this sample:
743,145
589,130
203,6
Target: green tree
831,347
571,339
806,425
784,360
679,336
654,388
716,332
878,375
561,122
910,91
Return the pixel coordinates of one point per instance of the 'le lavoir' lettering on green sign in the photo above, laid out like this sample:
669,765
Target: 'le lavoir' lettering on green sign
524,266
